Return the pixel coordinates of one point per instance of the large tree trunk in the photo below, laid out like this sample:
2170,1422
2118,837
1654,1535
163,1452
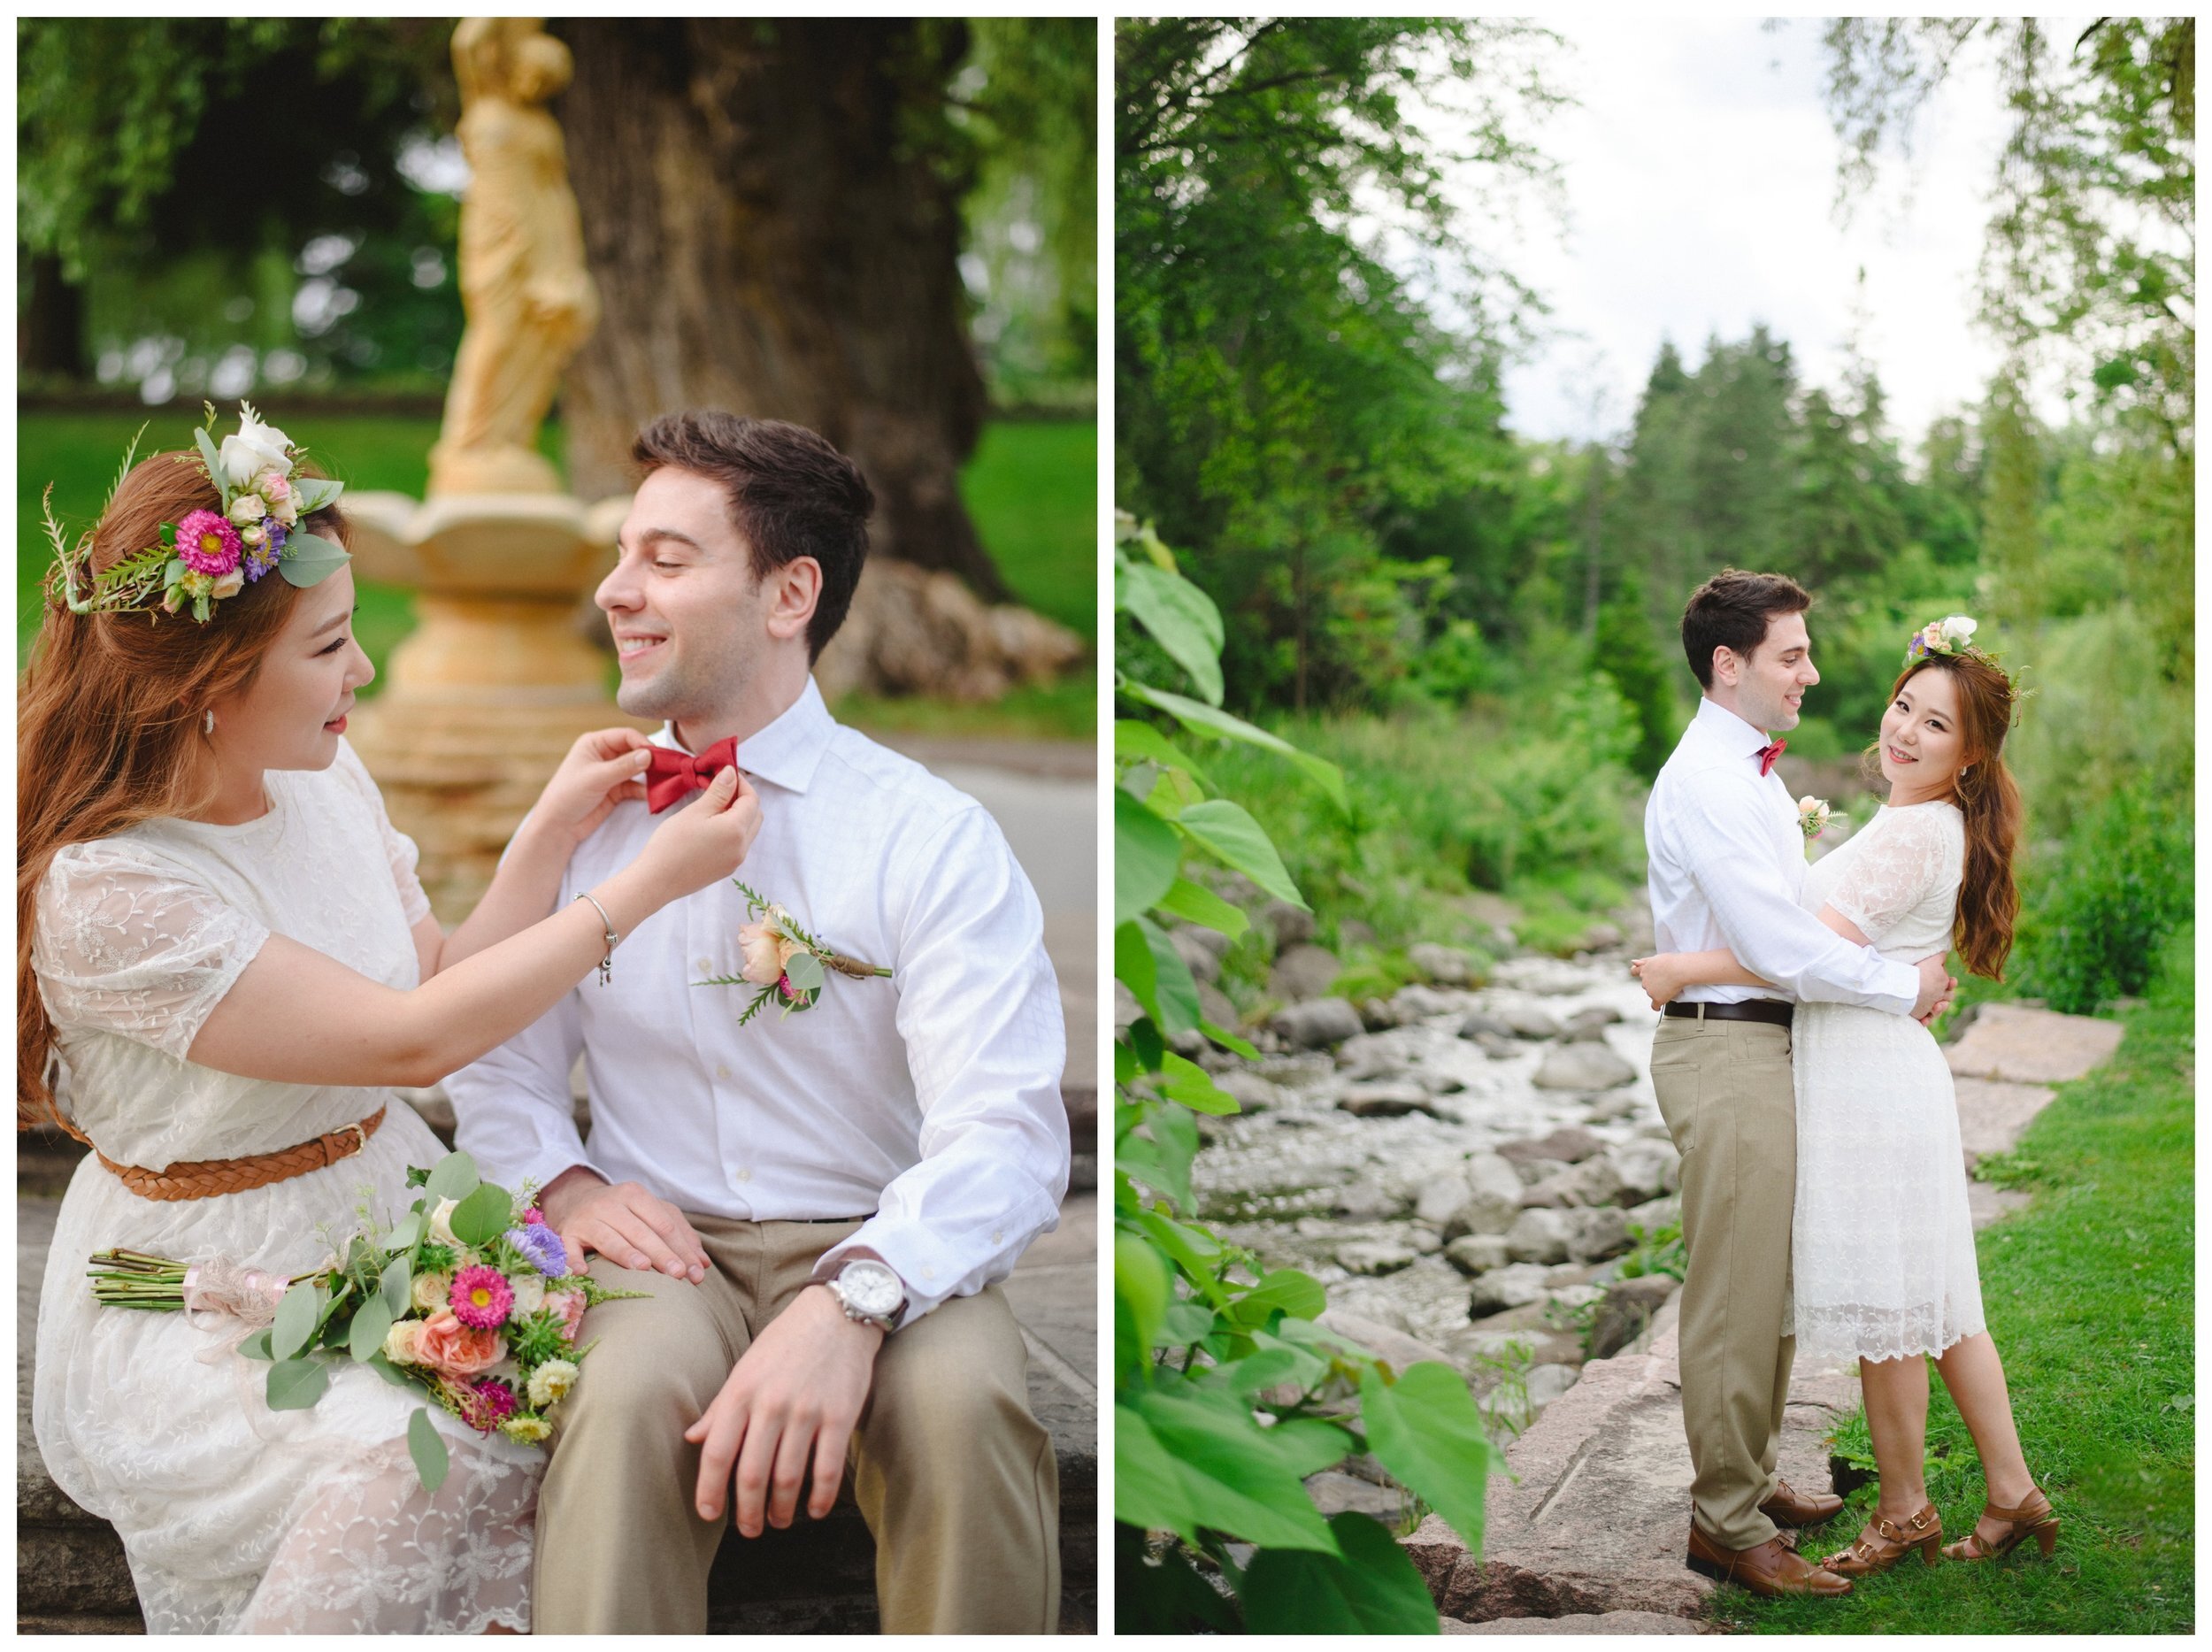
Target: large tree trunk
49,329
774,228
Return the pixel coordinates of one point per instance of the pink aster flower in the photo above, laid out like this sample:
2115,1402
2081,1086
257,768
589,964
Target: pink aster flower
208,544
481,1297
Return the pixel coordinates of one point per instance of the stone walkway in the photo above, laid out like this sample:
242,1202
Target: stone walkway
1595,1521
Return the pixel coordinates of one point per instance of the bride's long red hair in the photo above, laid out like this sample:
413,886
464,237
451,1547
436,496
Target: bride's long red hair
1986,793
108,719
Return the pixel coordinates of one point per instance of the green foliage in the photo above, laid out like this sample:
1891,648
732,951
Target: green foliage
2090,1295
1227,1396
1655,1250
2099,910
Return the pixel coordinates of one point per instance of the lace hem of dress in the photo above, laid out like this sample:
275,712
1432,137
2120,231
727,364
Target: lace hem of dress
1882,1334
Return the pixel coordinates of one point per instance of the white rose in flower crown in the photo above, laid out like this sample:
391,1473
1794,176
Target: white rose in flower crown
1959,630
248,507
229,584
550,1382
284,504
399,1342
255,448
529,1293
252,533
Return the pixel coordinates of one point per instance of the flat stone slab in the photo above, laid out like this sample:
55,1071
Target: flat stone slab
1597,1520
1986,1203
1994,1115
2023,1046
1579,1623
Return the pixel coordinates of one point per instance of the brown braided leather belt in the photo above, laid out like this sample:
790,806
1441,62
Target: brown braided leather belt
205,1179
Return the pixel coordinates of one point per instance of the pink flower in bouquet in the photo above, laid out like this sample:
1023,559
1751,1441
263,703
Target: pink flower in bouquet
570,1306
494,1401
481,1297
446,1345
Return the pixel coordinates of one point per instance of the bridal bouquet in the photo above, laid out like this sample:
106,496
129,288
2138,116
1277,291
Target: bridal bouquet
468,1300
788,964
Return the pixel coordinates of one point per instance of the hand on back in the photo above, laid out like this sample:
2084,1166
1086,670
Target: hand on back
1937,987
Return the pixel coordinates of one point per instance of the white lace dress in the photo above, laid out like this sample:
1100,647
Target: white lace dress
236,1518
1883,1244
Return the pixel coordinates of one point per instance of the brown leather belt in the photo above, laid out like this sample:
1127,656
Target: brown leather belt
205,1178
1771,1010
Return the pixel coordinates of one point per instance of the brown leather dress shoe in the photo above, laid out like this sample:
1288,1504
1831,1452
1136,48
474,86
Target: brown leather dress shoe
1772,1568
1791,1506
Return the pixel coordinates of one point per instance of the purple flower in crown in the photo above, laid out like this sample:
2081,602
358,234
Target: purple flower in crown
208,544
543,1249
258,559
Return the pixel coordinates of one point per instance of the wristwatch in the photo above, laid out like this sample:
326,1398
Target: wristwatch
869,1292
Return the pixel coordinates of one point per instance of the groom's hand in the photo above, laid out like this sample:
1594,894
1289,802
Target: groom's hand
792,1400
630,1226
1937,986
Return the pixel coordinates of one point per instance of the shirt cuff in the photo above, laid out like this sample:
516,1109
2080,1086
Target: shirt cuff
930,1274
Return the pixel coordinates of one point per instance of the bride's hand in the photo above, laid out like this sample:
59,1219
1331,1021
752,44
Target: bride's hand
1657,976
602,768
705,840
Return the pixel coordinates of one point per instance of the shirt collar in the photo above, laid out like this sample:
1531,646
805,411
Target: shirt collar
1735,736
788,751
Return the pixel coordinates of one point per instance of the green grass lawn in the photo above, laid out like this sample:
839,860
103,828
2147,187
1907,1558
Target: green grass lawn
1031,488
2089,1293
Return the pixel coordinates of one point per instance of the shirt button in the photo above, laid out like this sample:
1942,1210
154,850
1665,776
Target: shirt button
707,964
998,1236
929,1273
722,1071
745,1175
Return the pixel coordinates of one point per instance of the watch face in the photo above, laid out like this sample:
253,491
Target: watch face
871,1288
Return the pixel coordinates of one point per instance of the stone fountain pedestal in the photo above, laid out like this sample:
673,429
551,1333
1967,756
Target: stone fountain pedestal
481,701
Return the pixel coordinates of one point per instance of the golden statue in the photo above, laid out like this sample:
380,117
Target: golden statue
529,300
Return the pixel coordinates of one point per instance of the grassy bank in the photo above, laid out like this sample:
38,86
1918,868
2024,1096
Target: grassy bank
1458,822
2090,1298
1031,487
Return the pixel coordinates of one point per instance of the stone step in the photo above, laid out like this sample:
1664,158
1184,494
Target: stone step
2017,1044
818,1578
1596,1521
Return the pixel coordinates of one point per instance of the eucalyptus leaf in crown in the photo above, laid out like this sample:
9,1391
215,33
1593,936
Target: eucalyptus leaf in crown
211,555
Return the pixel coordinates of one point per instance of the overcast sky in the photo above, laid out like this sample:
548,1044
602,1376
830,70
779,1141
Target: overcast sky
1700,173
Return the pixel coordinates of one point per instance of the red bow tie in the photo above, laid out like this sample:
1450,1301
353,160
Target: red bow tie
672,776
1765,754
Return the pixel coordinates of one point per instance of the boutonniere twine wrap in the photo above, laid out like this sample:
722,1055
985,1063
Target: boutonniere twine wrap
210,554
786,964
1813,816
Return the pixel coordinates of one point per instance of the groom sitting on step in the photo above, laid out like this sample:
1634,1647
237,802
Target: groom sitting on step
818,1203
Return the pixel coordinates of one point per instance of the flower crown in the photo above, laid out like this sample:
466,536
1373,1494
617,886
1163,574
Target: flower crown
210,554
1952,635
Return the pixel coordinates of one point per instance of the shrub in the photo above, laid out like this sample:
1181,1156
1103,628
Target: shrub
2099,907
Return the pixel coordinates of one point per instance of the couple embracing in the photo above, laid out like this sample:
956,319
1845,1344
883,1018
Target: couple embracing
1823,1190
226,962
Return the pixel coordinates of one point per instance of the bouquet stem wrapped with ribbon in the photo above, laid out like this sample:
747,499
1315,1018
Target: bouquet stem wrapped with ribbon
468,1300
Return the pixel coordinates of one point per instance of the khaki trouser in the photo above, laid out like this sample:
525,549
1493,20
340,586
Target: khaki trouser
955,1478
1724,1089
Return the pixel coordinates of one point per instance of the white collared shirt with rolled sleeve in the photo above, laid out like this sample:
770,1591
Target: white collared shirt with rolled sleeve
1727,862
928,1103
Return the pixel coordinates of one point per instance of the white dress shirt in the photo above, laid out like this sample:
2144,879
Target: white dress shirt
1727,862
928,1101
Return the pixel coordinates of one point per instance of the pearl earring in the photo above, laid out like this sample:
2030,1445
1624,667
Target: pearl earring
207,723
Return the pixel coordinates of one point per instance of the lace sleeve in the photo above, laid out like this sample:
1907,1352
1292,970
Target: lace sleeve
399,848
1891,874
126,944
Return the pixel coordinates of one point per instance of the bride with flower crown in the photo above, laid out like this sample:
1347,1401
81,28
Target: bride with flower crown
1882,1243
224,963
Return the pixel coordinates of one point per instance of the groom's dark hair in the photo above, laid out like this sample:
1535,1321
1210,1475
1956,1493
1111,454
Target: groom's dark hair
1730,611
790,493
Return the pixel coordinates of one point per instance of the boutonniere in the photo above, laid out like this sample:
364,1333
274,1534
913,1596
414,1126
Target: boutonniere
788,964
1812,817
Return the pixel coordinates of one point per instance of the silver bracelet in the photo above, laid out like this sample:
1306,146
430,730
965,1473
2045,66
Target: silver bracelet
606,965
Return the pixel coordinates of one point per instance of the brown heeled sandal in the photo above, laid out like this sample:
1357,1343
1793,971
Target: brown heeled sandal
1883,1543
2032,1519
